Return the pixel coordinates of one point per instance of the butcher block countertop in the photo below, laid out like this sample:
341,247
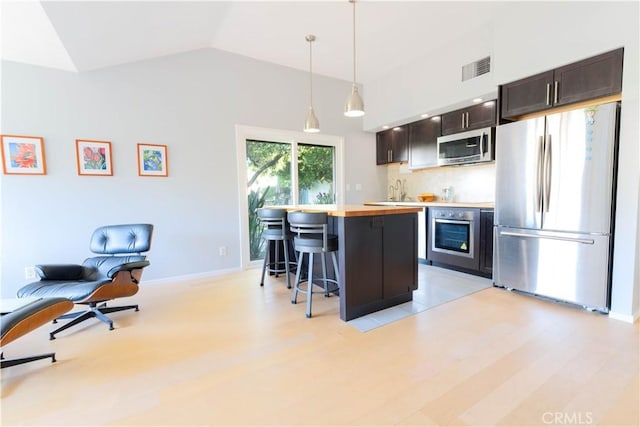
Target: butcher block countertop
355,210
480,205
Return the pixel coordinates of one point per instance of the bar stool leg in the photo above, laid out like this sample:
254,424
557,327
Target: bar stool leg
264,264
324,274
285,247
277,258
309,285
294,297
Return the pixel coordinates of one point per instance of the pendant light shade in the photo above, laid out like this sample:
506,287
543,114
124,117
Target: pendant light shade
311,123
354,107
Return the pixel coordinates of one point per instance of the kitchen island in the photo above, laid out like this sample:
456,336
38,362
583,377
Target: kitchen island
377,255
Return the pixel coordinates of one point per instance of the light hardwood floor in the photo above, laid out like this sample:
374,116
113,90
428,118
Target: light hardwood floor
228,352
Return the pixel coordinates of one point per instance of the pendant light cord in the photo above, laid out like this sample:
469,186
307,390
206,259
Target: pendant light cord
310,74
354,40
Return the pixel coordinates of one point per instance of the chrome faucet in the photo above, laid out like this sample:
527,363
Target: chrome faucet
400,186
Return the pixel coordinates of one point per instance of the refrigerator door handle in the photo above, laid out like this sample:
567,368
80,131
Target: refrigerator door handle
540,170
546,194
546,236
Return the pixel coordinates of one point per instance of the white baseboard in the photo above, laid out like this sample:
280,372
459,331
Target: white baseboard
189,278
629,318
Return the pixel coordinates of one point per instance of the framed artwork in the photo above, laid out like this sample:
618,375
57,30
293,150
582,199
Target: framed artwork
23,155
152,160
93,157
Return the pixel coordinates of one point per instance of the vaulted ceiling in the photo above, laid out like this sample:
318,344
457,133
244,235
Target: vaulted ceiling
88,35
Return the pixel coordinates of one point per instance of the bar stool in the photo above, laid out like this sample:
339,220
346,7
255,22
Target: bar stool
276,230
311,237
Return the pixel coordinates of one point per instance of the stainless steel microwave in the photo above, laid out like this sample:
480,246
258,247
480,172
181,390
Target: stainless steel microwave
473,146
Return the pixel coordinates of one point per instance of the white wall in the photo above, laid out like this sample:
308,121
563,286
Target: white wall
190,102
531,37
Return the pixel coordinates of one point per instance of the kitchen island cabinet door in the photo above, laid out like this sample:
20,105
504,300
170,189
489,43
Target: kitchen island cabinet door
363,245
378,262
400,256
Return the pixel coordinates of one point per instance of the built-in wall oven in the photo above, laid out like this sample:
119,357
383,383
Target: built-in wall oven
454,237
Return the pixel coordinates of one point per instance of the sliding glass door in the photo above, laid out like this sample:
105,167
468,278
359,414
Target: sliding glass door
284,168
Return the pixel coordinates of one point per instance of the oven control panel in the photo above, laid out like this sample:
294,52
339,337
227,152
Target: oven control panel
453,213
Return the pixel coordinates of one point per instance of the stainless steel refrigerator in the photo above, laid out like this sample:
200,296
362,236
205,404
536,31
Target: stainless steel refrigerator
555,191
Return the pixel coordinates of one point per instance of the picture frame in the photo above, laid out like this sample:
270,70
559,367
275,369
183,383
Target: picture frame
23,155
93,157
152,160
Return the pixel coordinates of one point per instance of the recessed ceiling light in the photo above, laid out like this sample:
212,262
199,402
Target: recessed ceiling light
385,127
397,128
476,100
488,104
436,118
424,116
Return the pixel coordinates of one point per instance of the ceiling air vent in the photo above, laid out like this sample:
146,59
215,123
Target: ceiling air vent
477,68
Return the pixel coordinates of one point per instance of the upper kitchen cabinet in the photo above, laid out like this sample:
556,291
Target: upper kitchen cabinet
591,78
474,117
392,145
423,143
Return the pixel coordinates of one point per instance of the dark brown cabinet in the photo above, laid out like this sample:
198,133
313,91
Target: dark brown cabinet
423,143
392,145
591,78
378,259
486,242
474,117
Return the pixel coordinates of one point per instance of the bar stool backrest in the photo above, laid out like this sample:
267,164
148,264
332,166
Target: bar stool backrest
312,225
274,220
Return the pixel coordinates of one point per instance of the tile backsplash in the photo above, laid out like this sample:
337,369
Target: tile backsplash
469,183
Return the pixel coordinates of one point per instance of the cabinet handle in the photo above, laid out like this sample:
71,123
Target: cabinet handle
467,113
389,155
462,121
548,93
555,92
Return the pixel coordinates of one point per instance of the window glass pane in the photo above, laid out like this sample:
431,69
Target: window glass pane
316,174
268,183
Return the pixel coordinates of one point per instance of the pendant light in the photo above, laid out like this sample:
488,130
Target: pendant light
354,107
311,123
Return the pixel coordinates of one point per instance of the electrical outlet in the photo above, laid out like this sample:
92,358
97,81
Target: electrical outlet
29,273
223,251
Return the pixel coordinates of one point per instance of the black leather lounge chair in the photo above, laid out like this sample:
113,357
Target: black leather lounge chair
114,274
25,319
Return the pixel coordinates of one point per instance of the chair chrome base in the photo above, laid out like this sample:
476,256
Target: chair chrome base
5,363
97,311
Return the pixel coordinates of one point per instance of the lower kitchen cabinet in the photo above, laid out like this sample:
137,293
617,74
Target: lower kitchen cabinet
382,267
486,242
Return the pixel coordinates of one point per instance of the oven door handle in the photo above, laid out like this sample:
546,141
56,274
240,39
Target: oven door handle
453,221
